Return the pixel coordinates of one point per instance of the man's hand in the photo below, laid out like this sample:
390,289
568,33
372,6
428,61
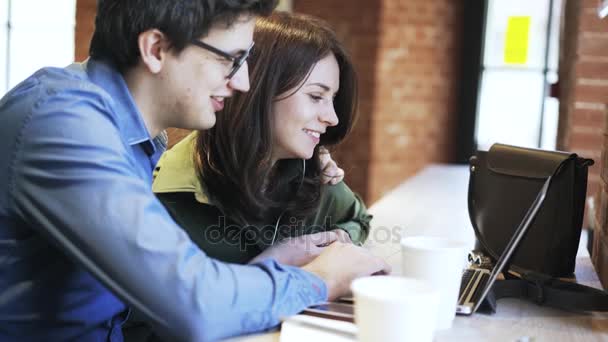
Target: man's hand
301,250
330,172
342,236
340,263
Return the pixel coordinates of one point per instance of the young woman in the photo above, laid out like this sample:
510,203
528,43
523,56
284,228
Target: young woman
250,188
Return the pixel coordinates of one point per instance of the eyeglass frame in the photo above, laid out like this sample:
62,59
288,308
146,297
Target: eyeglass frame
237,61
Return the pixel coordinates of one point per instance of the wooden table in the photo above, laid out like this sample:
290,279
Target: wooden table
434,203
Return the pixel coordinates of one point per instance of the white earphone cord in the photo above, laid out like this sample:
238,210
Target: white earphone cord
276,226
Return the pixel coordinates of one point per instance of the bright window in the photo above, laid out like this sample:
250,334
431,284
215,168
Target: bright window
513,109
34,34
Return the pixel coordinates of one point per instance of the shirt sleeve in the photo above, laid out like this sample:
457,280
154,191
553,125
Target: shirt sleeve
77,181
346,211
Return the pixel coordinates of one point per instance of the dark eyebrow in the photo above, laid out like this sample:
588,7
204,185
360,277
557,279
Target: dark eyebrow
238,52
325,87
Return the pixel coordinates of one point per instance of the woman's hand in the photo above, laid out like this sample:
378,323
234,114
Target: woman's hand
330,172
342,236
300,250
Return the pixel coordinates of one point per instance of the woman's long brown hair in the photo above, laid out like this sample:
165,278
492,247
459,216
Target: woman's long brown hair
234,158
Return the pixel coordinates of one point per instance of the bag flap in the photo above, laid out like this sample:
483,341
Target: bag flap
525,162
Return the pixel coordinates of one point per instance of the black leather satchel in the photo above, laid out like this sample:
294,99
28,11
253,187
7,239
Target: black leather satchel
504,182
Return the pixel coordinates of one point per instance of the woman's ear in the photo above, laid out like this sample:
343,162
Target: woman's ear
153,47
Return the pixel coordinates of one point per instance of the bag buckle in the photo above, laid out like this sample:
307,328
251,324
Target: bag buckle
539,280
479,260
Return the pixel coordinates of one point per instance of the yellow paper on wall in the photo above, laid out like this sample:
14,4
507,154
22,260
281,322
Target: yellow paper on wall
517,39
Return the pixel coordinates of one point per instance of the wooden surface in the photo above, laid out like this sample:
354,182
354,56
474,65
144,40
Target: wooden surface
434,203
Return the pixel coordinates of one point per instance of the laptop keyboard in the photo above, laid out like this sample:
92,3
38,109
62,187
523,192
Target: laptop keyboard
472,285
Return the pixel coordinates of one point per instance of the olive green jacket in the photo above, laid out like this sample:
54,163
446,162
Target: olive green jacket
178,188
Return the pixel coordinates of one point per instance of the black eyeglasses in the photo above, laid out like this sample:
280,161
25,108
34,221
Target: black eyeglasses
237,60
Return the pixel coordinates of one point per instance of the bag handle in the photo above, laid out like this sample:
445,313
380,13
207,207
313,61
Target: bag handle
554,292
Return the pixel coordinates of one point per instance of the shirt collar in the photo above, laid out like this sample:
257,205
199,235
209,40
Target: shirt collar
106,76
176,172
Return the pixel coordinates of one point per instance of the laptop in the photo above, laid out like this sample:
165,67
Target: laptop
476,283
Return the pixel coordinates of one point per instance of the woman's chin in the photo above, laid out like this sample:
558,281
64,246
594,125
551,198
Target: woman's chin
300,155
307,155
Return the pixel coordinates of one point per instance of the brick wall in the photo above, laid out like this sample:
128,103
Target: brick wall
600,242
360,34
407,62
584,78
584,72
583,111
85,25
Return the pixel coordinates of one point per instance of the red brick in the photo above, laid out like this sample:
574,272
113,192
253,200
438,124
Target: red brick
591,93
85,25
590,5
586,141
591,22
596,248
588,118
600,259
593,186
598,211
176,134
593,70
602,197
593,44
604,161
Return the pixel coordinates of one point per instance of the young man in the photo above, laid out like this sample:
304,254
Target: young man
82,237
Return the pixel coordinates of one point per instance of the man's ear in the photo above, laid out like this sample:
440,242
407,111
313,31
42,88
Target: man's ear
153,48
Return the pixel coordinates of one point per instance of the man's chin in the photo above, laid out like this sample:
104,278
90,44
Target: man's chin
207,123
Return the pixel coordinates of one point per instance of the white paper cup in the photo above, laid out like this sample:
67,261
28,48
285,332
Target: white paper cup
395,309
438,261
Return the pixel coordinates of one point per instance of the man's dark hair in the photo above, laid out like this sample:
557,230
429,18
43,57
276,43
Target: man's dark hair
120,22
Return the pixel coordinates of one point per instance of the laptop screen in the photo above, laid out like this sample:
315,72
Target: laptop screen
514,242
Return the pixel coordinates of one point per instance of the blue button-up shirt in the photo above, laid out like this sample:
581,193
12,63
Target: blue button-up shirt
82,235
